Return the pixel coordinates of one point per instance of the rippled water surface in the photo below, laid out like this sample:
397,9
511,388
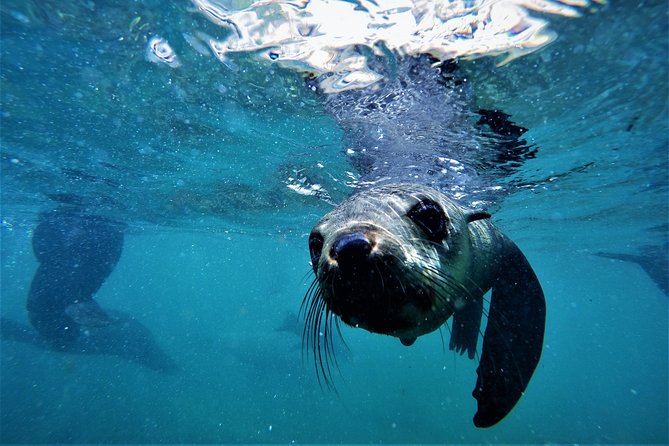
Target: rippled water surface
219,161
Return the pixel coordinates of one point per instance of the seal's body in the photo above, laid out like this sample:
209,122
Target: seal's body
76,253
420,124
406,252
401,259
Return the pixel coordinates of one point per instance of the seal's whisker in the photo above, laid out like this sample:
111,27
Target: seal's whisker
441,336
327,338
322,339
317,333
310,272
442,291
457,287
322,366
331,354
323,363
313,307
438,245
445,303
308,303
378,270
308,297
393,270
486,311
445,279
476,285
339,333
387,214
309,328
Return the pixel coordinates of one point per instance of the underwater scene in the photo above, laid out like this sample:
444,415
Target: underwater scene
332,221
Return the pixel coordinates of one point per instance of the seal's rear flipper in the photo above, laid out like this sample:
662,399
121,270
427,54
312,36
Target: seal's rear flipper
513,339
88,313
653,260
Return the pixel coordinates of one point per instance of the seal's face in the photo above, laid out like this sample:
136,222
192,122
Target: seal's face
391,260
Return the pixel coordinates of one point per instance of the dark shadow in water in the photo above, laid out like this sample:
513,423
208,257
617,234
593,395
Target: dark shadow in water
291,324
76,254
654,260
124,337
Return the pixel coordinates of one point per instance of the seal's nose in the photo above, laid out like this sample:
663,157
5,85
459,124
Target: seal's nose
351,250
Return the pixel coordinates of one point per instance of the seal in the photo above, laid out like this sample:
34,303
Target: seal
401,260
76,253
653,261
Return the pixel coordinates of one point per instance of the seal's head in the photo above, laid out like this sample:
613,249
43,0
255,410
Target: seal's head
392,260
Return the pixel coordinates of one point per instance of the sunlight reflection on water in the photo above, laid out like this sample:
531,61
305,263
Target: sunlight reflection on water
309,35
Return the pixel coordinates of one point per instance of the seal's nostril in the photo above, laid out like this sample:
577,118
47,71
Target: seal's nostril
350,248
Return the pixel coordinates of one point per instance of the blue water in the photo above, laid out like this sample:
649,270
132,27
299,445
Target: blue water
196,161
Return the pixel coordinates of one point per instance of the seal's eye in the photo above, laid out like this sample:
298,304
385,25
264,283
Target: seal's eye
430,217
315,248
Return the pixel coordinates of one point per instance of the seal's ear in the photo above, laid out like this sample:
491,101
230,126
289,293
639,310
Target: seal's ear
513,338
473,215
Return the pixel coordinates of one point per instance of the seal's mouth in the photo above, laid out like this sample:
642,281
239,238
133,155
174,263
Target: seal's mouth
368,288
374,298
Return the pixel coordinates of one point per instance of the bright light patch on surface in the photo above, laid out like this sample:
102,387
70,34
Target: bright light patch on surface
324,36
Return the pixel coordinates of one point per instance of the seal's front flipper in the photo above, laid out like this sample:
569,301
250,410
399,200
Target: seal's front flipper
466,326
513,339
88,313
